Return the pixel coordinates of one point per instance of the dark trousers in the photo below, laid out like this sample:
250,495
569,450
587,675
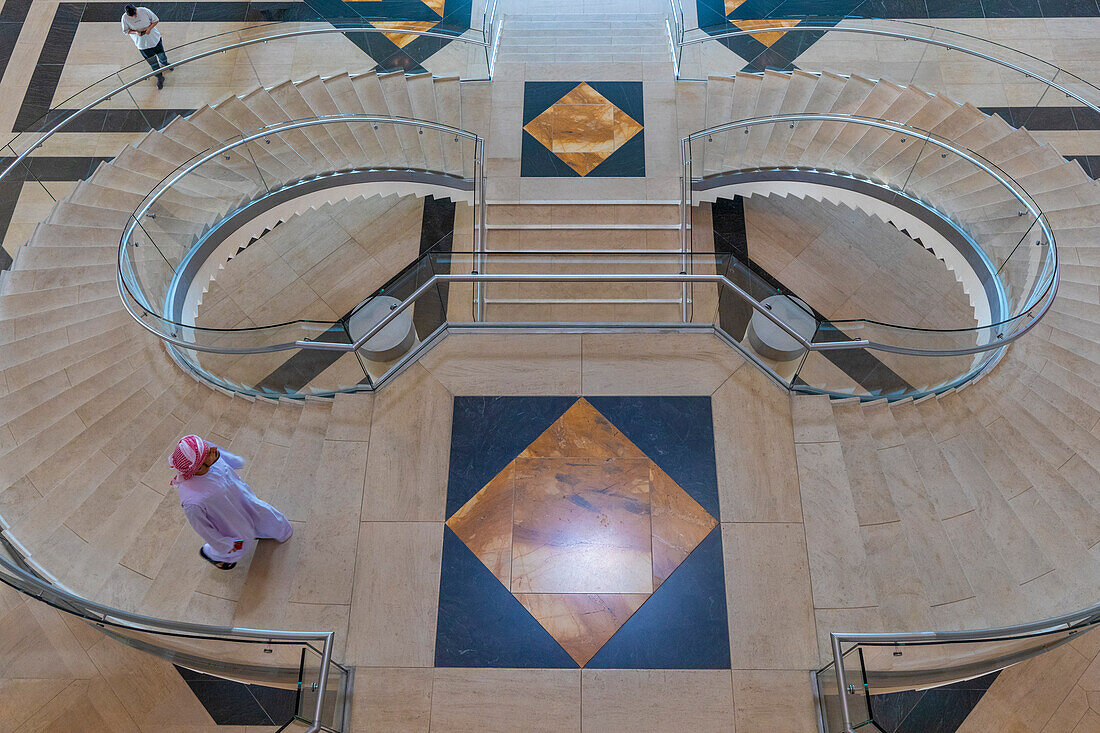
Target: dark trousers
155,56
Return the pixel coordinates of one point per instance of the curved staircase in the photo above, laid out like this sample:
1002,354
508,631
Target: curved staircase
91,402
976,507
368,238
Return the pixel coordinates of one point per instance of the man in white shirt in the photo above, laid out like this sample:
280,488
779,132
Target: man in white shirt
141,24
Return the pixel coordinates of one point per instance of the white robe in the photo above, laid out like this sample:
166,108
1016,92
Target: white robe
225,512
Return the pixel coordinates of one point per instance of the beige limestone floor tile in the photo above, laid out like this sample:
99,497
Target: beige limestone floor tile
1089,723
351,417
85,633
320,617
263,598
391,699
1088,643
124,589
89,706
22,699
326,559
838,562
207,609
9,599
507,364
152,690
655,363
754,449
1025,696
893,575
393,610
1069,713
768,596
1090,678
479,700
773,701
409,449
813,419
841,620
656,700
36,644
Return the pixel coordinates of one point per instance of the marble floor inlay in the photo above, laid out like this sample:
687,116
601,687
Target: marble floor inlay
582,527
582,129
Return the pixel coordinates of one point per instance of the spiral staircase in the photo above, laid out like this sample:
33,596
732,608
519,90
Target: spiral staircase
970,507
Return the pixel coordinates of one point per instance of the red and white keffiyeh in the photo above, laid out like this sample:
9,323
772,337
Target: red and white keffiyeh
188,457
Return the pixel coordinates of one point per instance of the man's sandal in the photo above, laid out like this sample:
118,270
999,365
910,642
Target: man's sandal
215,563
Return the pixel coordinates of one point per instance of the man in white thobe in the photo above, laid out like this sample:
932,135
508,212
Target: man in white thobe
219,505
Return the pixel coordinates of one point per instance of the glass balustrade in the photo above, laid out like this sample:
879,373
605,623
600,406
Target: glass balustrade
967,265
216,67
299,661
182,235
981,234
941,61
883,664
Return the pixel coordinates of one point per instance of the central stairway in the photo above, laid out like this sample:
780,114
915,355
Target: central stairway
972,508
592,39
588,237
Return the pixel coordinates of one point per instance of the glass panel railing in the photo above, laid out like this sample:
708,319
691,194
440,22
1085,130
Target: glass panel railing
329,709
874,373
882,664
768,323
231,64
855,694
245,340
968,265
270,658
609,290
492,26
674,27
938,60
548,287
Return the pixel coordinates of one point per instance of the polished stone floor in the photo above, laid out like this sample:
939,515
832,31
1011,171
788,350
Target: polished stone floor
475,611
586,532
583,129
61,48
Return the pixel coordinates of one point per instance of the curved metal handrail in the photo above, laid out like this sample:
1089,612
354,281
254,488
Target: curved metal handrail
819,27
210,52
1046,297
243,139
1032,629
485,278
657,278
39,589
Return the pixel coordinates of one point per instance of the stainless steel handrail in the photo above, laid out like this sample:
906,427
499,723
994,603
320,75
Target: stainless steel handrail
1003,633
479,278
29,584
168,182
805,26
482,278
1017,191
222,49
525,277
721,280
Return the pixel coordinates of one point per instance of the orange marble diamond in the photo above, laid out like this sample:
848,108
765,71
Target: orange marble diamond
403,39
583,128
582,527
767,37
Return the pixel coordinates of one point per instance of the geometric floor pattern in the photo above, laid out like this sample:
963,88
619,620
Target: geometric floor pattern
574,546
581,527
586,129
